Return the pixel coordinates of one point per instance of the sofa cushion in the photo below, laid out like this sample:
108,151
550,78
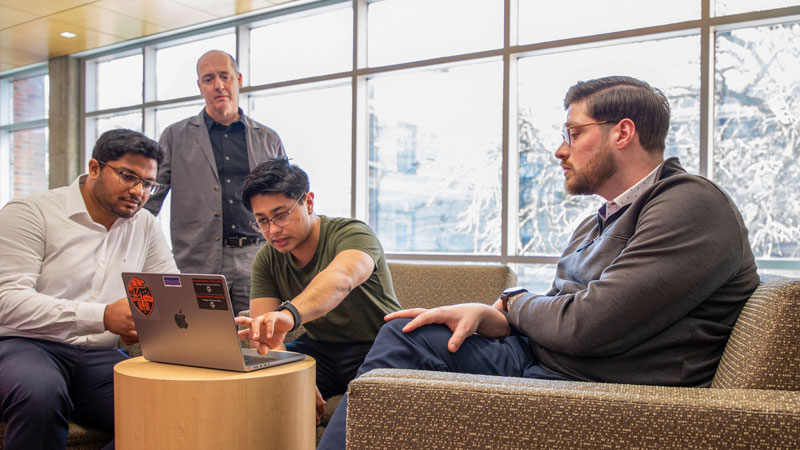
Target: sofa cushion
763,351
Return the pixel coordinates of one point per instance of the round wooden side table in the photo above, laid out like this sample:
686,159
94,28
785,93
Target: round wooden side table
166,406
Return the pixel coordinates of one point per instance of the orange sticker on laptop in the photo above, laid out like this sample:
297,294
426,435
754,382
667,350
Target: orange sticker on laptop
141,296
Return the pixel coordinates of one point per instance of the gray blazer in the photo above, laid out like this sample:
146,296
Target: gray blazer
190,171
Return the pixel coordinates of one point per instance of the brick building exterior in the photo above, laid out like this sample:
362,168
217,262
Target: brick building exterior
29,155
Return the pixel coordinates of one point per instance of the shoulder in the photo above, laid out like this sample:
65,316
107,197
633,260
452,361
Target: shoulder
183,125
344,225
49,200
34,211
688,204
146,217
259,127
689,191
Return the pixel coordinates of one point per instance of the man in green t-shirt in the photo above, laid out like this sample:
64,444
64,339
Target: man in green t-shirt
326,273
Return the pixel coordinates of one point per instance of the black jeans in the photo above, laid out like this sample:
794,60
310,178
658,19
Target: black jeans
337,363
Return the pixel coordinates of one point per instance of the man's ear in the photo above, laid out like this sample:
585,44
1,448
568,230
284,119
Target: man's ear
626,132
94,167
310,202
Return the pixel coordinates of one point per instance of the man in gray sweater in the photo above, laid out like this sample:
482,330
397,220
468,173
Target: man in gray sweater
646,292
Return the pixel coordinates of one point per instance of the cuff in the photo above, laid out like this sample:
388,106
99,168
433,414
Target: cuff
89,318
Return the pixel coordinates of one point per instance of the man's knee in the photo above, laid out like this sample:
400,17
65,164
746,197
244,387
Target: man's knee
396,349
38,398
392,330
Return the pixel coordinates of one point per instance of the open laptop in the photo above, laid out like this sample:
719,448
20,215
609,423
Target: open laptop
188,319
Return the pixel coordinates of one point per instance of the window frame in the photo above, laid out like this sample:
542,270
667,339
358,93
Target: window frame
7,126
705,26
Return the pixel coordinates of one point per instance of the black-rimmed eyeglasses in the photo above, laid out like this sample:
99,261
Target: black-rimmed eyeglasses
131,180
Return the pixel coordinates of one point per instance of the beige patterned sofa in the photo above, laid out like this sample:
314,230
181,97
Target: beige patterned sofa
754,401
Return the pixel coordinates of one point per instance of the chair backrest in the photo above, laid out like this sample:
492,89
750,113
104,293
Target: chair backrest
432,285
763,351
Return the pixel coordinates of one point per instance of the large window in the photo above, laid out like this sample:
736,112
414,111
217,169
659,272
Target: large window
436,121
24,163
757,133
547,214
436,159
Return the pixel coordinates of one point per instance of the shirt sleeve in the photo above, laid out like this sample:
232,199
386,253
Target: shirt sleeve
262,282
357,235
22,308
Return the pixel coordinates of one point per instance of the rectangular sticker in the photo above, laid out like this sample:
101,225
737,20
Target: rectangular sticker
171,281
210,294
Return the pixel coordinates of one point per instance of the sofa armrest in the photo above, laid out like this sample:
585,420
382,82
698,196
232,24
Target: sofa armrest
389,408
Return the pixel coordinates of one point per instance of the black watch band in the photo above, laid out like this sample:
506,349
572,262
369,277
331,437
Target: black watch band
295,314
509,294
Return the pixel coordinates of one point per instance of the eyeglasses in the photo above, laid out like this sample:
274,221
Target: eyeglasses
281,220
568,136
131,180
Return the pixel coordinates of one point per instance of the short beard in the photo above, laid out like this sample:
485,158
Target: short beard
602,167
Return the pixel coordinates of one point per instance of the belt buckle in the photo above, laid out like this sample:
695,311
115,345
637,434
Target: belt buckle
236,241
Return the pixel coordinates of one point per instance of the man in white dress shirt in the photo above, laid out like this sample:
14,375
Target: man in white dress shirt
62,300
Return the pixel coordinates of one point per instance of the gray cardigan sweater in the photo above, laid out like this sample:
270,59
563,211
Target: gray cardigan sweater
650,296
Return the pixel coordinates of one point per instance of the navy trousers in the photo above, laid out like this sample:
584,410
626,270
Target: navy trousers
426,349
44,385
337,363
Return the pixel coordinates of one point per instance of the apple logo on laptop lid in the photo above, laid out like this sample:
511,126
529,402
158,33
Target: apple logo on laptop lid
180,320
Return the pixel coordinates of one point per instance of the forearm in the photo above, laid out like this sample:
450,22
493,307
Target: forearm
348,270
263,305
323,294
30,313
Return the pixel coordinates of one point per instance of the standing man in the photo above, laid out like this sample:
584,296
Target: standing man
206,159
327,273
646,292
62,300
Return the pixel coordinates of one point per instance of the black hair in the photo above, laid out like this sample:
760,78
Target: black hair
114,144
275,176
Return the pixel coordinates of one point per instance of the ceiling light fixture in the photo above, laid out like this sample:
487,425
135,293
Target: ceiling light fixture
68,35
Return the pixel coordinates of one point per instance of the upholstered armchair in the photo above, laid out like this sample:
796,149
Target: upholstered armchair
754,400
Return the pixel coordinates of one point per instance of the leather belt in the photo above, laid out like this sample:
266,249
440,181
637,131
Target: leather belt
239,241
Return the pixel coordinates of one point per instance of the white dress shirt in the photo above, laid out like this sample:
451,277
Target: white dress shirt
630,195
59,269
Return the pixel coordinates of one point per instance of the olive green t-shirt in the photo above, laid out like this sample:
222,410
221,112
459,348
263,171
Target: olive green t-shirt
360,315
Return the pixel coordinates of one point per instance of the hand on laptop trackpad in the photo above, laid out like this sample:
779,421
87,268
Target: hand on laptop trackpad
254,353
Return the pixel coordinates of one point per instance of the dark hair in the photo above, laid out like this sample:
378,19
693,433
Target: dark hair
618,97
114,144
275,176
233,61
